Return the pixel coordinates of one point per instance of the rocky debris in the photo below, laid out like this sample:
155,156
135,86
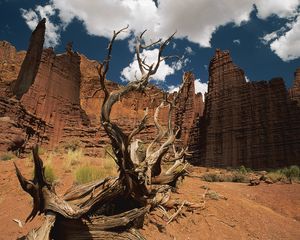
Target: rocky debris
31,62
254,182
20,130
255,124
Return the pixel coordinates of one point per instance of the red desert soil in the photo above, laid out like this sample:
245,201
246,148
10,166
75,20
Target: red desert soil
260,212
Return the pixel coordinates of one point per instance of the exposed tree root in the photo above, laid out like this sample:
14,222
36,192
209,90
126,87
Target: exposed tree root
114,207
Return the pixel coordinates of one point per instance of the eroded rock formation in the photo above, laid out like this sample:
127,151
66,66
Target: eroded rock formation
18,125
295,90
255,124
31,62
63,91
10,63
189,107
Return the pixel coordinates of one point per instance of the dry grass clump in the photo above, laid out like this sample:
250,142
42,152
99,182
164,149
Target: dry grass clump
89,173
49,173
229,176
73,158
291,173
72,144
7,156
85,174
276,176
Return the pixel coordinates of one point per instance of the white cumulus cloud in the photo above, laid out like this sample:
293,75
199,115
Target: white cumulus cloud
132,72
173,88
32,17
200,87
193,20
287,46
281,8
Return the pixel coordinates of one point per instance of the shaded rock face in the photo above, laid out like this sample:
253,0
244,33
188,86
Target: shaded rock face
19,129
254,124
54,95
189,107
295,90
31,62
10,63
61,92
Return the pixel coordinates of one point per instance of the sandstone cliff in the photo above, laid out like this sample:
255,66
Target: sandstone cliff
63,91
189,107
295,90
10,63
254,124
31,62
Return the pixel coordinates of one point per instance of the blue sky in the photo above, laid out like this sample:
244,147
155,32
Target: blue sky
263,36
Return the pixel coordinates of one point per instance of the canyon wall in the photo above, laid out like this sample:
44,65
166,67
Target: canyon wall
63,91
10,64
57,98
295,90
189,107
31,62
256,124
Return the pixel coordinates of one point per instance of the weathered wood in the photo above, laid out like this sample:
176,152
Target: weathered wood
89,211
101,223
82,234
43,232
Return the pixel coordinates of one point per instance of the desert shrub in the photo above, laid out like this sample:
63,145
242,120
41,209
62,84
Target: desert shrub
85,174
239,177
72,144
242,170
276,176
49,173
212,195
211,177
7,156
73,157
109,165
293,172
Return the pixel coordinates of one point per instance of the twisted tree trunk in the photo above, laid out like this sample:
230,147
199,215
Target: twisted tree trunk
112,208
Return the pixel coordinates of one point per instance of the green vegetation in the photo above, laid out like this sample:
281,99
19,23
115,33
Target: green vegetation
7,156
276,176
85,174
234,176
284,174
212,195
73,157
72,144
212,177
239,177
243,174
49,173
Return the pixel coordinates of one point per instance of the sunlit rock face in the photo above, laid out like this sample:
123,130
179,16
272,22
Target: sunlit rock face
63,91
256,124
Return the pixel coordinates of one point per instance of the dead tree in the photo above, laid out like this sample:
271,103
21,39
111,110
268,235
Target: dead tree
113,208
